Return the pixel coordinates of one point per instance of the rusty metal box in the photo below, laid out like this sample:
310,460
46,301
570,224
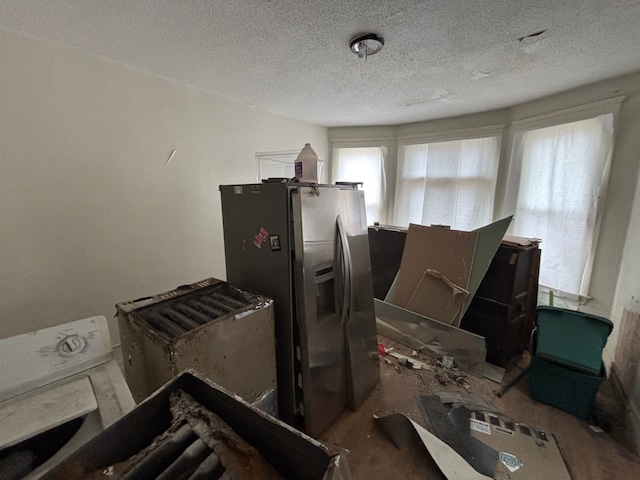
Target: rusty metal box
291,453
224,333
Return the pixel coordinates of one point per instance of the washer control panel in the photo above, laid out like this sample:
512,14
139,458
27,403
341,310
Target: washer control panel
44,356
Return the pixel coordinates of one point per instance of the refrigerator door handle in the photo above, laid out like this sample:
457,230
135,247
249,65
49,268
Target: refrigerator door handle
346,271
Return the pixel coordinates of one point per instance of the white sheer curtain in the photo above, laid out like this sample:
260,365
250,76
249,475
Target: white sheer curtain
564,169
449,183
366,165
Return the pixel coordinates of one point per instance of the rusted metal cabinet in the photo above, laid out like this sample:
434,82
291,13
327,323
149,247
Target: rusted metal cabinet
224,333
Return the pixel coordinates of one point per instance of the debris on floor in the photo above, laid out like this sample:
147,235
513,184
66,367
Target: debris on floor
453,428
440,375
408,362
477,444
401,430
430,337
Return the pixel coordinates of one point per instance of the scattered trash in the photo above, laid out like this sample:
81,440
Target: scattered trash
494,373
431,337
443,378
414,353
447,361
489,440
382,350
472,402
409,362
452,427
403,432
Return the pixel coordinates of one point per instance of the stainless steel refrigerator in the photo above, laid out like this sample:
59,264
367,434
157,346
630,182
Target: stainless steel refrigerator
306,246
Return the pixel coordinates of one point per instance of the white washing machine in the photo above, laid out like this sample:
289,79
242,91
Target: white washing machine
59,387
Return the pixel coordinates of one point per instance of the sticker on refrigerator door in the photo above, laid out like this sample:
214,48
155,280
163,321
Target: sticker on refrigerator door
274,241
260,237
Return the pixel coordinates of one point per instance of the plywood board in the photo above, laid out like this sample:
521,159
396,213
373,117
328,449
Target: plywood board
489,238
435,272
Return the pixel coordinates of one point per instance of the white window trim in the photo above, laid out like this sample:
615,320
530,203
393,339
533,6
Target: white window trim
359,143
486,131
389,166
452,135
569,115
573,114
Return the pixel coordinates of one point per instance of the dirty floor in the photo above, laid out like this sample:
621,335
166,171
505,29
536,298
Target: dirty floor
588,455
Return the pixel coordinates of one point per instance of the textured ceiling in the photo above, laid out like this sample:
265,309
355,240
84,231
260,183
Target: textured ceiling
292,57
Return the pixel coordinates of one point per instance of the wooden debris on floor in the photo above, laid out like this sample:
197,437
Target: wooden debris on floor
373,456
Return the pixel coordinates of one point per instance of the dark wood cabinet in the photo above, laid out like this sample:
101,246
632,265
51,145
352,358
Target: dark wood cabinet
386,245
504,307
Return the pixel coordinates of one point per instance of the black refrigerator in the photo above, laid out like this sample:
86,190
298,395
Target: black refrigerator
306,246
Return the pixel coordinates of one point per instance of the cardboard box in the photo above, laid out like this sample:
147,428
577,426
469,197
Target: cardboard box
441,269
293,454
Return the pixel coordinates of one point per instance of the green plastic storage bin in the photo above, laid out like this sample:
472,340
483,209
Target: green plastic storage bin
563,388
572,339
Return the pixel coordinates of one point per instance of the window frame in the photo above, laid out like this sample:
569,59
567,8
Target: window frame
380,142
514,161
496,130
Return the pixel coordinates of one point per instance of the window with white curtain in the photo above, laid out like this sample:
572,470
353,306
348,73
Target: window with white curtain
448,183
563,173
366,165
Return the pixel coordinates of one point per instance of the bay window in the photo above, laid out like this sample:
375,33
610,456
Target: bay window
563,172
366,165
448,182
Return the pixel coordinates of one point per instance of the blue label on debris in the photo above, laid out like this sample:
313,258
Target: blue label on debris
510,461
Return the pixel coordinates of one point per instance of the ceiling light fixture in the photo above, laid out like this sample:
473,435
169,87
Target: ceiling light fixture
366,45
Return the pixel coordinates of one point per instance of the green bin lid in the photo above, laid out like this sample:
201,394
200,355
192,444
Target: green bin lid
572,339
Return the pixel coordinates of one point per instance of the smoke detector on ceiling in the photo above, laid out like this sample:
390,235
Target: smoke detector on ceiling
366,45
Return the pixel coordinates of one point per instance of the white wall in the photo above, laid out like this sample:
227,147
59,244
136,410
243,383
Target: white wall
628,291
90,212
628,298
622,185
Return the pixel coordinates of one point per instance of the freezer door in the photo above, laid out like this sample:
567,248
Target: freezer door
361,342
321,348
336,321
